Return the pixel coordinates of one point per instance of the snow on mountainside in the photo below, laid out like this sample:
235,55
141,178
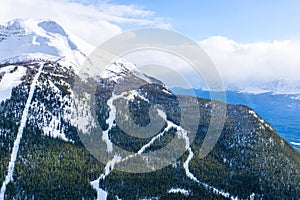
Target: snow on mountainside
26,39
43,116
23,40
30,51
10,76
26,44
121,69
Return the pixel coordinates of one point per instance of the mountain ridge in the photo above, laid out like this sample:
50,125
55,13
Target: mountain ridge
26,40
49,160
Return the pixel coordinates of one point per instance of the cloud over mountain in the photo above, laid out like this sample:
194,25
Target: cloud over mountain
92,22
250,65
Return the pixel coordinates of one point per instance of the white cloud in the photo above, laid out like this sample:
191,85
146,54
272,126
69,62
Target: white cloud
271,65
92,23
125,10
249,67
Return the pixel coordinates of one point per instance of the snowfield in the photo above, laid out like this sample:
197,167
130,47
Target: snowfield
10,79
38,39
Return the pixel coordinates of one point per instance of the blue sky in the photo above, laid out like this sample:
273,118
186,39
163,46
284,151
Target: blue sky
241,20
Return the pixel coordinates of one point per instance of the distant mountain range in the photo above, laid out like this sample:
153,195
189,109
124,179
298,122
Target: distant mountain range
281,86
44,125
280,110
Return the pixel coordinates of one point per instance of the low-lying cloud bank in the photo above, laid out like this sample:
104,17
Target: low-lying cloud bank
256,67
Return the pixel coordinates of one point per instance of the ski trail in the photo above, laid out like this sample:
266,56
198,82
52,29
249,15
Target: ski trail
169,126
11,166
110,122
110,166
112,115
101,194
192,176
117,159
187,162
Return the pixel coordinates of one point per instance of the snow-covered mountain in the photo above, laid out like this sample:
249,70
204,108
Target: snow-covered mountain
42,151
279,86
26,40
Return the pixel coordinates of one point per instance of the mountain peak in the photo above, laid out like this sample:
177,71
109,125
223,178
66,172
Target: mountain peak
20,27
27,39
52,27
